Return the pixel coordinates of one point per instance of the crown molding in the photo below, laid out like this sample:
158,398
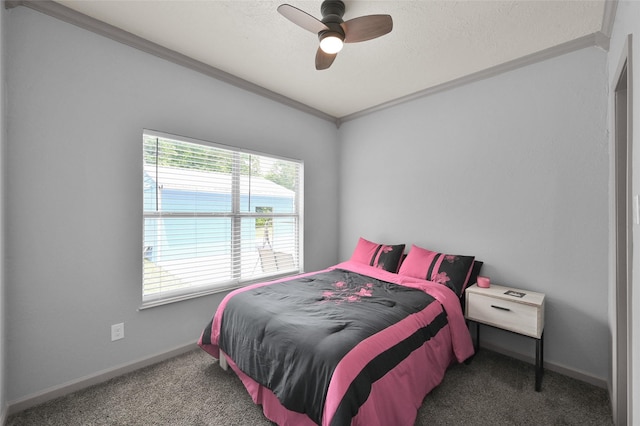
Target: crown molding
66,14
609,16
595,39
57,10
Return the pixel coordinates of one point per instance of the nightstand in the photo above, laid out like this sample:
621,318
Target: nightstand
511,309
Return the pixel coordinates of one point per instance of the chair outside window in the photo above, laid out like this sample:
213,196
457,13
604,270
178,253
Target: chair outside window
275,261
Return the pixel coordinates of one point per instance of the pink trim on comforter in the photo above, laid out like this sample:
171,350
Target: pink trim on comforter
396,397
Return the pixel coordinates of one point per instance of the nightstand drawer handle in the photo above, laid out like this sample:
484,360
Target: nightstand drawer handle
501,308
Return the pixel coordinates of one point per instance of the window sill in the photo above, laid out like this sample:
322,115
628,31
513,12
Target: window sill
207,292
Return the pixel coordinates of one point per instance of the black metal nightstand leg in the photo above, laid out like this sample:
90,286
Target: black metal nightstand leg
539,361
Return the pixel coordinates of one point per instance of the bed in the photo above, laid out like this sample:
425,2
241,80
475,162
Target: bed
359,343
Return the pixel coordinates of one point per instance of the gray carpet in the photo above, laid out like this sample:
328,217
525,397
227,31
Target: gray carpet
191,389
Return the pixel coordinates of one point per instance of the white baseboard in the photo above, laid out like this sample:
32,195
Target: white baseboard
90,380
565,371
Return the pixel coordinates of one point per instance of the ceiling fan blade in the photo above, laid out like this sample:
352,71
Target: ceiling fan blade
366,27
324,60
302,18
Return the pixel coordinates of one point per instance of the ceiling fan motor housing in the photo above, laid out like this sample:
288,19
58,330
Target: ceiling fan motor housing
332,12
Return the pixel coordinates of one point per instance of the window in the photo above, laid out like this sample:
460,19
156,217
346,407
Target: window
215,217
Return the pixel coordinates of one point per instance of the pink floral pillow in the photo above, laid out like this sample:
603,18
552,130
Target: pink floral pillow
381,256
451,270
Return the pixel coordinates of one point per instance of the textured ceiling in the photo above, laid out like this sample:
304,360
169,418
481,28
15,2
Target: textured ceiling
432,42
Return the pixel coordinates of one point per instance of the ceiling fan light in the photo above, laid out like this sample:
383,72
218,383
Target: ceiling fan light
331,43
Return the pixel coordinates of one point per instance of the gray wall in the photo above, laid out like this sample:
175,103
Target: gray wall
3,395
77,105
512,169
628,22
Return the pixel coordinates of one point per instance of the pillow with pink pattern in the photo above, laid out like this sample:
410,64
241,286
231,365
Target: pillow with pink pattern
381,256
451,270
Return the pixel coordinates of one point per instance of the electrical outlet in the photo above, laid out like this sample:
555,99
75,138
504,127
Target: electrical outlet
117,331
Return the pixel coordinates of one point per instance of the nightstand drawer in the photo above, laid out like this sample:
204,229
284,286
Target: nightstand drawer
505,314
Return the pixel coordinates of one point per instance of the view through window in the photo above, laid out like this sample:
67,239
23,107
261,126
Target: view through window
215,217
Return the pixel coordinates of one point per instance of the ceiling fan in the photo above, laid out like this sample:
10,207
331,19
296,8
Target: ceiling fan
333,31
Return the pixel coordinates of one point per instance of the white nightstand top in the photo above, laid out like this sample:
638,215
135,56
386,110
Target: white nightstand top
497,291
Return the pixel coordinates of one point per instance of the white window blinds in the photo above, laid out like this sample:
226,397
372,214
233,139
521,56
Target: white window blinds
215,217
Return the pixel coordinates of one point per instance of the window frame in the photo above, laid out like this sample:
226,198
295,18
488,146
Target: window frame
236,216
